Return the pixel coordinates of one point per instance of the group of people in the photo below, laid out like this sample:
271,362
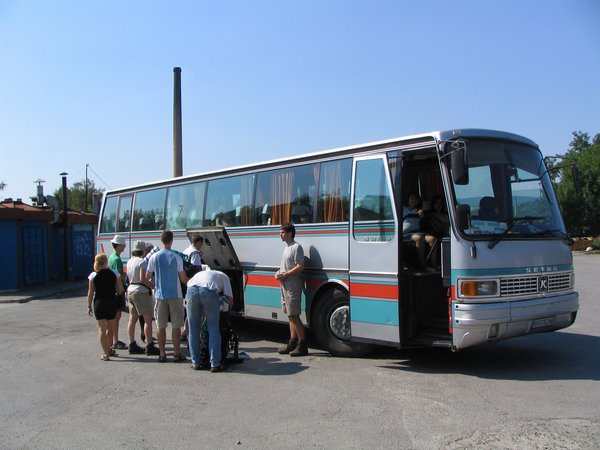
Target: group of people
424,228
154,280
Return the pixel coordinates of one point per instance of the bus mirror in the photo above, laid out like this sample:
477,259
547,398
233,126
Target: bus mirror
458,163
463,215
576,180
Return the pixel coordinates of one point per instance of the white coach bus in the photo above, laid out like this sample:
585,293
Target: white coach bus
504,263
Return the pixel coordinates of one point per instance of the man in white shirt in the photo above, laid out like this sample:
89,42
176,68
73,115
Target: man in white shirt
203,297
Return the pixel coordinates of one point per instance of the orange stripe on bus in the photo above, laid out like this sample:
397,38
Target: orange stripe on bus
374,290
262,280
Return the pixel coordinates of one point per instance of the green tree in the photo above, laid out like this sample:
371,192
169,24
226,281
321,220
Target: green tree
76,195
581,211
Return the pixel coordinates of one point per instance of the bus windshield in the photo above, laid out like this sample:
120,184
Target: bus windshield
508,191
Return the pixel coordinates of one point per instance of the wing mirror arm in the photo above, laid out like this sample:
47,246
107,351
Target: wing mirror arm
463,217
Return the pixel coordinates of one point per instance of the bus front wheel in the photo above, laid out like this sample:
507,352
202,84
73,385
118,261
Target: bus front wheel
331,325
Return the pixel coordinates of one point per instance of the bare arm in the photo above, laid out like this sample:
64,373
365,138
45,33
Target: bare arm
149,276
90,296
299,267
119,286
183,277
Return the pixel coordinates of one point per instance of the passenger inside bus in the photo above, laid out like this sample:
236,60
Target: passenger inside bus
301,211
436,224
487,209
411,217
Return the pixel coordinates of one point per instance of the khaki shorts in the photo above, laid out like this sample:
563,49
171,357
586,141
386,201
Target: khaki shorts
141,303
165,308
291,296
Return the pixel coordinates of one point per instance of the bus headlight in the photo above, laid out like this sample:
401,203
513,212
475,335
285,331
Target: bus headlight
478,288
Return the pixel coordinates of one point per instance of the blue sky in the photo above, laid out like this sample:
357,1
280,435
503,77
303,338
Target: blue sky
91,82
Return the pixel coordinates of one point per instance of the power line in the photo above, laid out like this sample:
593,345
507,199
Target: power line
94,172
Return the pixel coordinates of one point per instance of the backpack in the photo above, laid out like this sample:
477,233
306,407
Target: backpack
189,268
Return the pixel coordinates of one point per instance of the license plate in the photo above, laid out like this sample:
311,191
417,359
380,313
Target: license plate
540,323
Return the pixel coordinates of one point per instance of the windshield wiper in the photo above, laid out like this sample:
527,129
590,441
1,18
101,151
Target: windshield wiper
510,223
554,232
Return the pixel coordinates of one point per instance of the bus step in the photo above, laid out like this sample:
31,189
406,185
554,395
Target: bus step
442,343
431,341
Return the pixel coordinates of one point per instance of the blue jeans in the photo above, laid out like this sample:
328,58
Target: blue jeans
201,300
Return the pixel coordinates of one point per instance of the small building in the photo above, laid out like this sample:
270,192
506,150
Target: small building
33,245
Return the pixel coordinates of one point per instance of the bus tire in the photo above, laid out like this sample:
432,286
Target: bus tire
331,325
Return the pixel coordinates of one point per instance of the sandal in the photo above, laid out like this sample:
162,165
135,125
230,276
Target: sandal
179,358
104,358
162,358
113,352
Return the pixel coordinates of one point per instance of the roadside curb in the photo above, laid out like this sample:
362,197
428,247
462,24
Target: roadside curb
43,292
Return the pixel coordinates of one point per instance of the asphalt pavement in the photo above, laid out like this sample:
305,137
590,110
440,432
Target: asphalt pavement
56,289
535,392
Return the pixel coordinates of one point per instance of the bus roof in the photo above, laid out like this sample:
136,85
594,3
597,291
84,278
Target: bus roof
406,140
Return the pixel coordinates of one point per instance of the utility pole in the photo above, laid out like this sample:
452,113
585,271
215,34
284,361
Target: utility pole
85,208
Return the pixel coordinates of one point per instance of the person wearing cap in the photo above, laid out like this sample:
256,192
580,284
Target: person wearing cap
166,267
140,299
114,262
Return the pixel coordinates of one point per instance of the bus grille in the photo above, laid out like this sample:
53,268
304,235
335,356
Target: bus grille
530,285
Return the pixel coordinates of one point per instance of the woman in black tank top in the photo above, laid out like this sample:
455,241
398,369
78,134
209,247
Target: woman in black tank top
103,287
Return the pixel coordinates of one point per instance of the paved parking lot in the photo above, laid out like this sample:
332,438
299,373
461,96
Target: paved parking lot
539,391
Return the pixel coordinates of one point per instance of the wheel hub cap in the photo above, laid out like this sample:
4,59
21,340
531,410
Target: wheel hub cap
339,322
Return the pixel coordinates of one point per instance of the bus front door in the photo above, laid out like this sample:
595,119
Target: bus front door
373,264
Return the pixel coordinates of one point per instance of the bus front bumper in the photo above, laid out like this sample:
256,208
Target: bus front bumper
475,323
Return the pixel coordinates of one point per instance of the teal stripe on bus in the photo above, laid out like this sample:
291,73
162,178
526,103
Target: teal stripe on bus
266,296
263,296
374,311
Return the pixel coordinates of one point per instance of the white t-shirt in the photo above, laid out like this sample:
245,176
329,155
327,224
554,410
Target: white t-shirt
194,255
214,280
134,273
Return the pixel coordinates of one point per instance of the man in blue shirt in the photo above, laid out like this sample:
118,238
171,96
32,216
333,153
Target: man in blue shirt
166,267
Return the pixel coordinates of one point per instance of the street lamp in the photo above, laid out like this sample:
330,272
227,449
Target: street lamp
65,224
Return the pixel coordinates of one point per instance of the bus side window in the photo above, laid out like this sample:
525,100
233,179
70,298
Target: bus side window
147,206
109,215
334,191
123,224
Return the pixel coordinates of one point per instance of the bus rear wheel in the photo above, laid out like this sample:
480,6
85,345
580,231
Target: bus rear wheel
331,325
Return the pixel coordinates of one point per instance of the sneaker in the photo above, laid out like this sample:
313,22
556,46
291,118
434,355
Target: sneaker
119,345
178,357
215,369
135,349
291,345
151,349
195,366
300,350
